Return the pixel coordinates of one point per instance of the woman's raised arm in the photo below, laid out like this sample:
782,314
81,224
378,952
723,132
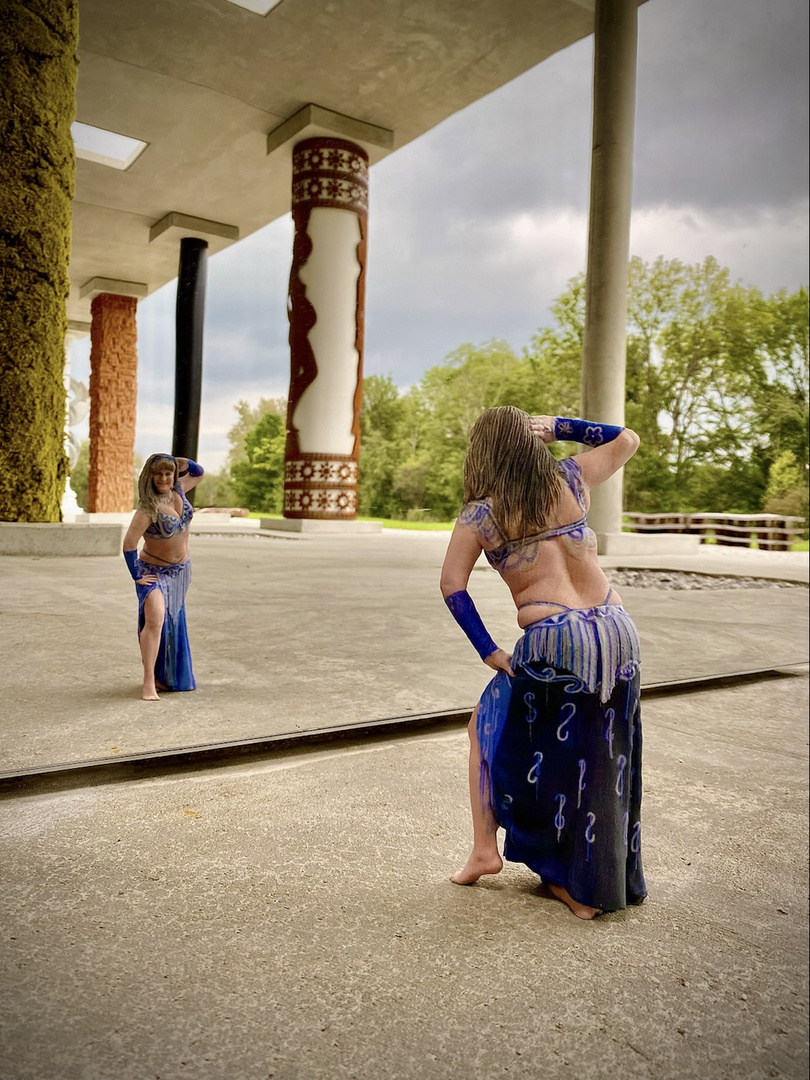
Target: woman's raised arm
189,473
611,447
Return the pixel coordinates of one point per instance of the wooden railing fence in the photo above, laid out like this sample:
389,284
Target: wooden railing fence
769,532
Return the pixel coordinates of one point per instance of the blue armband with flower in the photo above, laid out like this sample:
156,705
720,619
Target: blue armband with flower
464,612
585,431
193,469
131,559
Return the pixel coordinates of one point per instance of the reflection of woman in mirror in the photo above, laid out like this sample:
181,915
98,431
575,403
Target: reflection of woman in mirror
162,571
555,754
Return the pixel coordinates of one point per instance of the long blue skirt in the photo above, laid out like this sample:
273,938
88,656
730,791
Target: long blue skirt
561,755
173,664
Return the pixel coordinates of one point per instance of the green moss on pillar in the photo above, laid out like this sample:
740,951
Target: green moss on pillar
38,40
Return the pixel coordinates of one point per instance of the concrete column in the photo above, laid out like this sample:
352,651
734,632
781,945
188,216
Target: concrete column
39,43
326,310
189,318
113,402
604,348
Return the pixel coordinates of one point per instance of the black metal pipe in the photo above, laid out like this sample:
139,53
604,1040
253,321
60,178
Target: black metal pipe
189,317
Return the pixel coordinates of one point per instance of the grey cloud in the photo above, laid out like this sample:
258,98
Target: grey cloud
721,116
721,120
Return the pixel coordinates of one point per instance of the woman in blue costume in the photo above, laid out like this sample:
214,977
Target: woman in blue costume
162,571
555,755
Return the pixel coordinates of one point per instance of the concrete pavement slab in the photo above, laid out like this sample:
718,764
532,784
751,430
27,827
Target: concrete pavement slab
293,634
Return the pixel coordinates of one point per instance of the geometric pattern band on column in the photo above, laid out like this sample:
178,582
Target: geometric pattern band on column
320,486
326,312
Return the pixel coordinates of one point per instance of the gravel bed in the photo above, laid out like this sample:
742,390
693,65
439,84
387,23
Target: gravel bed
676,579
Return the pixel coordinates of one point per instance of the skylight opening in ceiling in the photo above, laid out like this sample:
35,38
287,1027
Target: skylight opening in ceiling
259,7
105,147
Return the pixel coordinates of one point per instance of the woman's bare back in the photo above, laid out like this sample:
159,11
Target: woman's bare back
547,573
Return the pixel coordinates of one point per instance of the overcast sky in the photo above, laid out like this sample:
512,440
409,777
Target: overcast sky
475,229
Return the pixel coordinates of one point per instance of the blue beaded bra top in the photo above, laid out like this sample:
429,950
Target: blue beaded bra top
511,553
168,525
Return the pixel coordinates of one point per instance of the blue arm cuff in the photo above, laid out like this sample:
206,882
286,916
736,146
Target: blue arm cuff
464,612
585,431
131,559
193,469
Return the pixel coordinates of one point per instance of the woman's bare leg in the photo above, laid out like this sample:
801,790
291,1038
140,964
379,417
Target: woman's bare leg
484,857
153,610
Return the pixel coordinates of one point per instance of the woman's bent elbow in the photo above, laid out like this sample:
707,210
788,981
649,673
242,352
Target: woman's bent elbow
631,440
449,585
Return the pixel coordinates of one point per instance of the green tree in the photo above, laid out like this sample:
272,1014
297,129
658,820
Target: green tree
787,491
80,472
258,478
380,449
708,361
441,411
215,489
248,416
782,403
554,357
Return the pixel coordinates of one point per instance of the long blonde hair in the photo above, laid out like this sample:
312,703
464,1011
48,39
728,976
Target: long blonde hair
514,469
147,495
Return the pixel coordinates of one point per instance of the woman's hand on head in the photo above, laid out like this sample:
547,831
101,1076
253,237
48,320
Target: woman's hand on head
500,661
542,427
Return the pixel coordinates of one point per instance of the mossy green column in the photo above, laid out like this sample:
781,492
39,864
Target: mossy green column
38,62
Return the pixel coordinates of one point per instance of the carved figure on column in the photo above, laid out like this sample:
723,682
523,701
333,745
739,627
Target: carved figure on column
326,311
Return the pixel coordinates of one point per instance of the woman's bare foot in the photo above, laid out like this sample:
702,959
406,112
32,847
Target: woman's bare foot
149,692
477,866
580,910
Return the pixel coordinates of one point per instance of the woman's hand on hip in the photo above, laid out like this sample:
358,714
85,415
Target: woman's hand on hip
500,661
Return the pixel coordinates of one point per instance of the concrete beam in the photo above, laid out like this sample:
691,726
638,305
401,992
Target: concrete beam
314,120
174,227
98,285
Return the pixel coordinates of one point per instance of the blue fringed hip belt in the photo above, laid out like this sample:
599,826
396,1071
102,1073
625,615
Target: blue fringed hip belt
599,645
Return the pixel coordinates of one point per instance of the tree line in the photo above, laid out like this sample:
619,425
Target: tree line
717,388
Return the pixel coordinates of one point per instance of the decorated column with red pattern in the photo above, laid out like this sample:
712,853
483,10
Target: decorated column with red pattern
326,311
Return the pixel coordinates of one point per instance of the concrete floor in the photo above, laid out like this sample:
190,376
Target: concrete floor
291,918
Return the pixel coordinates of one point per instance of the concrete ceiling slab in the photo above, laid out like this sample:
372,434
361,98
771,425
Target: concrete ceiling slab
204,82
